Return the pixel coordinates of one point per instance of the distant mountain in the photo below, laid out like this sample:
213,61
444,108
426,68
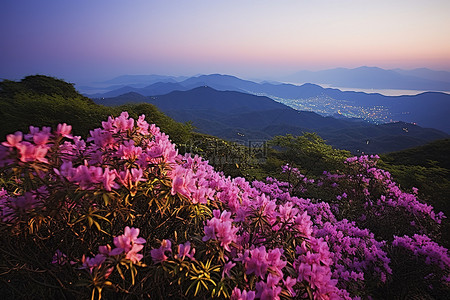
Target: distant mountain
146,79
240,116
157,88
125,84
376,78
426,74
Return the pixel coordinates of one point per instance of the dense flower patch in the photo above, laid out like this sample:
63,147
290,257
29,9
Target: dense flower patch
181,229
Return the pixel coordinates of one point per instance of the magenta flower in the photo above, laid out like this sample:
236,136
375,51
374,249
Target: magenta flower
86,177
91,263
236,294
185,250
41,138
220,227
183,182
257,262
227,268
267,292
158,255
130,243
130,179
123,122
59,258
289,284
275,261
107,251
128,151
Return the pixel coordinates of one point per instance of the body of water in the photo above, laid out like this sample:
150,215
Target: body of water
386,92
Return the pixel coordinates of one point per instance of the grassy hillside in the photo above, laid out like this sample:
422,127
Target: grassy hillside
45,101
427,168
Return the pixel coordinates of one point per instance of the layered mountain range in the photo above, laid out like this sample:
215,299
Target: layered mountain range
245,117
429,109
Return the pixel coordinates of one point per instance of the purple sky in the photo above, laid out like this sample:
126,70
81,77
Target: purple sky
87,40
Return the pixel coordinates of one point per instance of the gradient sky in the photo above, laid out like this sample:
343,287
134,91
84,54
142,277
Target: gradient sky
87,40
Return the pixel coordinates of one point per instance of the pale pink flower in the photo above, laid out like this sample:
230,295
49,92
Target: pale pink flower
108,179
142,125
12,140
29,152
64,130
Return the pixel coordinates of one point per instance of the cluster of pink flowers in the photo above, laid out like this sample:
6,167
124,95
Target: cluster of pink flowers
220,228
422,246
128,244
250,222
31,147
393,196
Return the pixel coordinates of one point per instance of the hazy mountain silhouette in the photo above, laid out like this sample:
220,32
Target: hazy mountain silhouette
376,78
426,74
139,79
241,116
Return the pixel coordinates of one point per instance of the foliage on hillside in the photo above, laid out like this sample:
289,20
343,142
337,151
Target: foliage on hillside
309,153
121,214
434,154
426,168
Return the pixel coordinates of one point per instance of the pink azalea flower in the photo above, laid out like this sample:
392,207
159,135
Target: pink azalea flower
129,243
185,250
123,122
29,152
64,130
41,138
142,125
183,182
108,179
59,258
133,254
289,284
91,263
227,268
257,262
12,140
106,250
158,255
236,294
